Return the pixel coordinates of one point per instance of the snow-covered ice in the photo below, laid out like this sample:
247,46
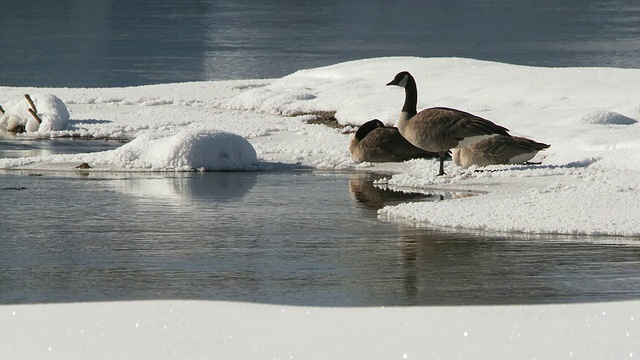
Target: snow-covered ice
587,183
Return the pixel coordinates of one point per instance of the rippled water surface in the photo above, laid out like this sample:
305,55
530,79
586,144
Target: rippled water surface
121,43
12,146
304,238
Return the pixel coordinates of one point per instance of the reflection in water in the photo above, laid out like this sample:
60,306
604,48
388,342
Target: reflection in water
180,188
17,147
297,237
222,187
376,196
457,267
467,268
373,197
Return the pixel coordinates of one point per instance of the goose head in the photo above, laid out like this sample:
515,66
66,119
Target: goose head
368,127
406,81
401,79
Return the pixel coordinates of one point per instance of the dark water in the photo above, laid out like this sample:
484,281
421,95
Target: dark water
303,238
95,43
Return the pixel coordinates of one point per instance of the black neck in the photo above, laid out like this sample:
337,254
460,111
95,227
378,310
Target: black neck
410,97
366,128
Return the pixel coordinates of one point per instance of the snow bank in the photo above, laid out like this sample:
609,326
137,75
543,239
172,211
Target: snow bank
50,109
562,200
603,117
186,151
353,89
222,330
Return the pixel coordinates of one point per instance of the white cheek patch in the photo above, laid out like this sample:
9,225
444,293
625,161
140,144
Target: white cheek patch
403,82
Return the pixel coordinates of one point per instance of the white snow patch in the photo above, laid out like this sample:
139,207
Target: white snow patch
51,109
603,117
186,151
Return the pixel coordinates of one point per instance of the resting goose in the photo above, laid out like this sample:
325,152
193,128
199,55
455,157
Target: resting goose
375,142
439,129
498,150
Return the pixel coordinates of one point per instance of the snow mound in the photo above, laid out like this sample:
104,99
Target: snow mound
603,117
51,110
188,150
353,89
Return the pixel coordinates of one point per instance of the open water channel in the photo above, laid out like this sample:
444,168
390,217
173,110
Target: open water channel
293,237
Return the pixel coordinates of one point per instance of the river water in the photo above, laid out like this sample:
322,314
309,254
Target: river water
74,43
302,238
296,237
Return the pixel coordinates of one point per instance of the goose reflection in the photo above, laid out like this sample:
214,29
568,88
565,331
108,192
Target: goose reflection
375,197
458,268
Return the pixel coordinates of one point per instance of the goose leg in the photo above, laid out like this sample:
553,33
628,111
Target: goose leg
443,154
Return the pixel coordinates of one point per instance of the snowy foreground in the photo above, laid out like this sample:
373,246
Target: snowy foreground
587,184
221,330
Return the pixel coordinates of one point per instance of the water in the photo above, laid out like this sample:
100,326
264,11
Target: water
302,238
117,43
306,238
13,147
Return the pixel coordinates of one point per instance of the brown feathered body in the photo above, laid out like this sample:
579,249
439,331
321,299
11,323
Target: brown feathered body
439,129
498,150
375,142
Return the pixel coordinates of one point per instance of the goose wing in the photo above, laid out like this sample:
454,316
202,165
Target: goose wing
498,149
508,146
386,144
460,124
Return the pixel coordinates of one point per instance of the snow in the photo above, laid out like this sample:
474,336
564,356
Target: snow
51,110
185,151
587,183
224,330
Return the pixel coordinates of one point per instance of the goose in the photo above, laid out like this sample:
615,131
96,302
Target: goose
439,129
497,150
375,142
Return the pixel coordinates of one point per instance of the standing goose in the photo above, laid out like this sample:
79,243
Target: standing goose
375,142
497,150
439,129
